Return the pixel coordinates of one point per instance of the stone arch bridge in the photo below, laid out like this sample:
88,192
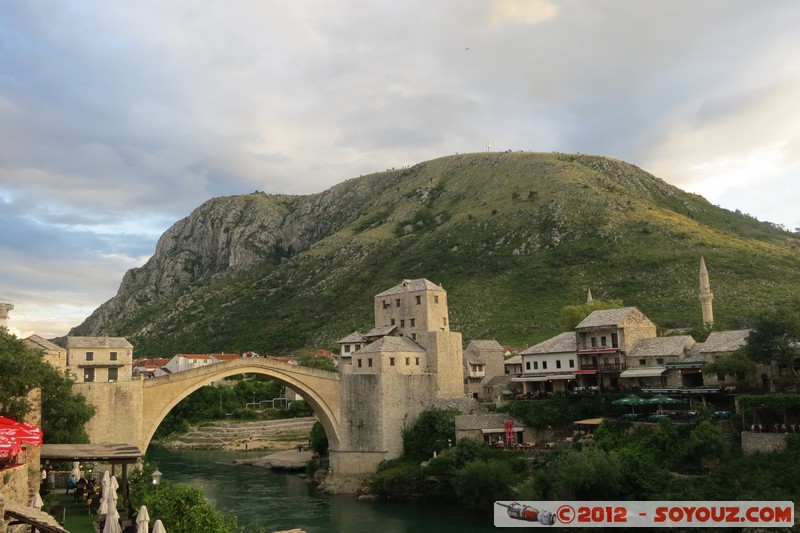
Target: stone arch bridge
130,412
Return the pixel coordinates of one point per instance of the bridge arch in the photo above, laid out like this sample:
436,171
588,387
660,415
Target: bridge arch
319,388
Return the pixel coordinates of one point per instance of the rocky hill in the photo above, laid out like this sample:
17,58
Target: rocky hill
512,237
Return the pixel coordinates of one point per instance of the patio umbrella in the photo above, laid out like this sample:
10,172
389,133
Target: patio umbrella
660,400
112,521
104,493
158,527
142,520
9,447
631,400
36,501
21,431
76,470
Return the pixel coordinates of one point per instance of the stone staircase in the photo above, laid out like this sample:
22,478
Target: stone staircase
271,434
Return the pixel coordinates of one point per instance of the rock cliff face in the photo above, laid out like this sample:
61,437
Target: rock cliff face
511,236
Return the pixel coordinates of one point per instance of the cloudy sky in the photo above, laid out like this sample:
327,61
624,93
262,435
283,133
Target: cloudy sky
119,118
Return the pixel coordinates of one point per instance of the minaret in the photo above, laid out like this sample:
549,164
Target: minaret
4,309
589,300
705,294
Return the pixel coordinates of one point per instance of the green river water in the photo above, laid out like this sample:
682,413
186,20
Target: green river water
279,501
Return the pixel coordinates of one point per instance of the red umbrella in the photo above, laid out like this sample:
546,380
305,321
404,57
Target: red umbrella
20,431
9,447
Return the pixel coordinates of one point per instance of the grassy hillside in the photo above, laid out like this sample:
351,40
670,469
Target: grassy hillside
512,237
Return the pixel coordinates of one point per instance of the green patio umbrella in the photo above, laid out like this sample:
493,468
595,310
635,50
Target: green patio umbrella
631,400
660,400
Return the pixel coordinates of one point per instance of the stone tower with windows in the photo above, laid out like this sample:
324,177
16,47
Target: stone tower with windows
411,359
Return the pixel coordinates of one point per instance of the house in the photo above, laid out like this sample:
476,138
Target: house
186,361
150,368
99,359
606,337
220,357
549,366
655,362
351,343
53,353
483,360
490,428
513,365
720,344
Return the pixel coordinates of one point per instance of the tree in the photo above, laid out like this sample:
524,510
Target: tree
480,483
775,336
184,510
736,364
22,369
431,432
572,315
318,439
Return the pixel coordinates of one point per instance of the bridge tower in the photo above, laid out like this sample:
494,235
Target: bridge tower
411,360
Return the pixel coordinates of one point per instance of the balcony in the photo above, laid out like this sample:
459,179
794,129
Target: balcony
604,367
477,373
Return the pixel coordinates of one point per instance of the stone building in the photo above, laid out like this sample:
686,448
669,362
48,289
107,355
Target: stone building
549,366
99,359
483,360
412,359
653,362
53,354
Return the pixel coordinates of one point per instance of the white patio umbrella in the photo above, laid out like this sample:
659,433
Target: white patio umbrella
158,527
105,493
76,470
112,520
36,501
142,520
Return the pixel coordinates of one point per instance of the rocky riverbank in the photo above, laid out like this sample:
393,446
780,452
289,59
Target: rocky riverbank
275,435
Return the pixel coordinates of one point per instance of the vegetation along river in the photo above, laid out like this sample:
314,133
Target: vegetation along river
273,501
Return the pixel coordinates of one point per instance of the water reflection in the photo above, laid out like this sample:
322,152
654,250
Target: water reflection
274,502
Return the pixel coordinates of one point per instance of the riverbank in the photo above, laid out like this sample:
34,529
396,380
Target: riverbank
286,460
261,435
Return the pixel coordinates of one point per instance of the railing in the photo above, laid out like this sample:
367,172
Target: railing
605,367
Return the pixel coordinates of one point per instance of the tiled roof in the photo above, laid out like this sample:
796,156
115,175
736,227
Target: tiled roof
391,344
473,357
410,285
724,341
487,345
499,381
40,342
225,356
485,421
659,346
193,356
353,337
606,317
561,343
98,342
516,360
462,404
380,331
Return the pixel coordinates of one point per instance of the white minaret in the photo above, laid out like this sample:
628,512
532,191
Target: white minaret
589,299
4,309
705,294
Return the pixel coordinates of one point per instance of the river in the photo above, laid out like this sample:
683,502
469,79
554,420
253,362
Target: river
279,501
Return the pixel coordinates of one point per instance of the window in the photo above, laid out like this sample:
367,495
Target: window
369,361
642,362
112,356
88,375
408,361
359,363
558,363
435,299
397,302
417,361
402,322
572,363
346,348
385,304
444,320
113,374
536,365
412,322
544,365
594,342
527,365
419,300
90,357
358,347
603,341
614,341
659,360
391,361
393,322
414,336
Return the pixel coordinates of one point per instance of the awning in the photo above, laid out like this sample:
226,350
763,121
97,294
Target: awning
561,376
19,514
20,431
581,372
529,378
643,373
499,430
113,453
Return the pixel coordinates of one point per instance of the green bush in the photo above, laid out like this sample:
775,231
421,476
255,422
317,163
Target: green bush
318,438
434,430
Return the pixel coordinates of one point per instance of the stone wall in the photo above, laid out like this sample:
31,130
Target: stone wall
118,416
764,442
445,358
